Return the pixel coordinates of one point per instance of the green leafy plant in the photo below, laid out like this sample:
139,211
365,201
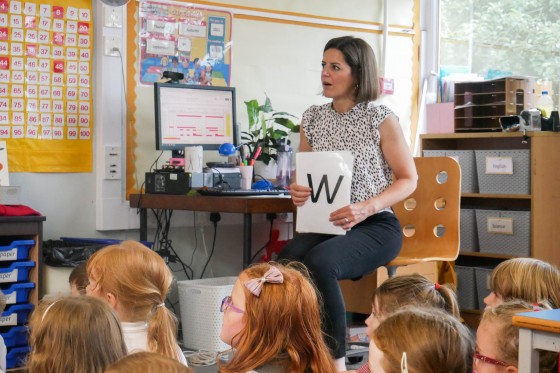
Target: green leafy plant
268,129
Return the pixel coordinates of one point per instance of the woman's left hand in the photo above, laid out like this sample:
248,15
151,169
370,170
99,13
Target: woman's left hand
350,215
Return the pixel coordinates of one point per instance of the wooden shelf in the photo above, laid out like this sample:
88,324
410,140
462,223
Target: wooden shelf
486,255
496,196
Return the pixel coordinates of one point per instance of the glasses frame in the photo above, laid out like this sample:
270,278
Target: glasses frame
227,303
489,360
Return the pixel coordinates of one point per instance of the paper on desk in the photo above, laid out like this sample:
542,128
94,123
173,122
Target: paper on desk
329,174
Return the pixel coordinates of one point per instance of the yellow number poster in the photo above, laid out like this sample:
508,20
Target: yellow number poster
45,85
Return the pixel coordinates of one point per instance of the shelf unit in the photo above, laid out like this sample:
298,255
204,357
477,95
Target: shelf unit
543,202
479,105
13,228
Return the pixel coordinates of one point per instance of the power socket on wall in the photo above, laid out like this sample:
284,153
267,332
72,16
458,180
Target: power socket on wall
112,162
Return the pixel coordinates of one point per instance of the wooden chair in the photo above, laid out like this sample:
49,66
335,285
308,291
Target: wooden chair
430,224
430,216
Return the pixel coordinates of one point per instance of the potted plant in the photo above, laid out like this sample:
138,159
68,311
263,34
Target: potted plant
268,129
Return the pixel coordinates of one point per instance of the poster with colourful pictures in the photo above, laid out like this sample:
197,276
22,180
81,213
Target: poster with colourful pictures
192,42
45,85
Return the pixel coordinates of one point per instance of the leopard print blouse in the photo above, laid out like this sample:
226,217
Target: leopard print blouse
356,131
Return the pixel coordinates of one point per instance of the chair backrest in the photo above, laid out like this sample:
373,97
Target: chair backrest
430,216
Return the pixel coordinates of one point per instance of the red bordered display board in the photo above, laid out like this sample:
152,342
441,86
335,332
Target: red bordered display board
45,85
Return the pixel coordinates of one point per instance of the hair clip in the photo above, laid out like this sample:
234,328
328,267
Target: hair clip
273,276
436,285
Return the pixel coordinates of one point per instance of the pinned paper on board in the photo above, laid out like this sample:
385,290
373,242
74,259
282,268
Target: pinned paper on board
329,174
4,175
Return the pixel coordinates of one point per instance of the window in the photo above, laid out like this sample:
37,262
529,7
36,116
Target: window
496,38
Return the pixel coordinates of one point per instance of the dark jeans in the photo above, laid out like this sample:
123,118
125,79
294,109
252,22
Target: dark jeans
367,246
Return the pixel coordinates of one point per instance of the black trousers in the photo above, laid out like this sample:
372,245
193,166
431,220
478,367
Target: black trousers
367,246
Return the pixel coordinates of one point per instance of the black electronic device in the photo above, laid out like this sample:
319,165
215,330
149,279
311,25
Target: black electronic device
220,165
224,192
164,182
193,115
227,180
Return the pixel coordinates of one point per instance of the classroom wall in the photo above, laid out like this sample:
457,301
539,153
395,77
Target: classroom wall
87,205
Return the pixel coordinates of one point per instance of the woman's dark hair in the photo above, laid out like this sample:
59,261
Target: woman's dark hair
359,55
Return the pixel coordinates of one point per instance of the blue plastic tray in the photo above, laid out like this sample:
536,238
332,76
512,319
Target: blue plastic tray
16,336
16,314
16,271
17,250
18,293
16,356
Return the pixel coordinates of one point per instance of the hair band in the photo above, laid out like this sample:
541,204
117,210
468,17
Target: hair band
161,305
536,307
273,276
436,286
47,309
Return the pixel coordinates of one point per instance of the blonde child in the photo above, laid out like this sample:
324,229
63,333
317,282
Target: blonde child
497,340
531,280
74,335
147,362
420,340
78,280
135,281
273,323
406,290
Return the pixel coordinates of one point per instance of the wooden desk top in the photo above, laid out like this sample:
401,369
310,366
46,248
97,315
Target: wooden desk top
548,321
248,204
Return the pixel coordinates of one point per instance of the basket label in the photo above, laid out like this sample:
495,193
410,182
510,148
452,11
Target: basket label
9,276
8,320
9,254
11,299
499,165
500,225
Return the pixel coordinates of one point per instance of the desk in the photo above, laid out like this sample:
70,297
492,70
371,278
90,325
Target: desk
537,330
242,205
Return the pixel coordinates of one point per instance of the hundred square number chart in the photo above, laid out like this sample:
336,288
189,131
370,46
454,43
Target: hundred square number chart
45,85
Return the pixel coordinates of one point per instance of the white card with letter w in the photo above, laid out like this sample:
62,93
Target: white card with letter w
329,175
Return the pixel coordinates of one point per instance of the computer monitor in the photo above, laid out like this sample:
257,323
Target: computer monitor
191,115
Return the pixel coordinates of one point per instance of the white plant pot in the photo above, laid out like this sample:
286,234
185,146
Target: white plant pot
265,171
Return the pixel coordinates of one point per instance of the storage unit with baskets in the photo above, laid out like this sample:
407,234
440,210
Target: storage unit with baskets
511,214
479,105
20,243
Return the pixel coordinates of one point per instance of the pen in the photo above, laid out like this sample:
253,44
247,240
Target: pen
257,153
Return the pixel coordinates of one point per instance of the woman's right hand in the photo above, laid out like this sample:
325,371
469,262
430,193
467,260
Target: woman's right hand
299,193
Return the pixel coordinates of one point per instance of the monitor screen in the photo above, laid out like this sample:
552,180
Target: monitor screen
189,115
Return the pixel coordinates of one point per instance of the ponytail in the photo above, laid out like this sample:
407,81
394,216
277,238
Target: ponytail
162,329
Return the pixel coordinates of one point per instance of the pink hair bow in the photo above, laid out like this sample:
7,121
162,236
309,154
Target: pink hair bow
273,276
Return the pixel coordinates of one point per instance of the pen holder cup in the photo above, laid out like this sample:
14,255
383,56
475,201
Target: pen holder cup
246,176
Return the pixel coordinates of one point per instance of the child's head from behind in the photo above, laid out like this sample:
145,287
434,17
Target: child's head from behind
497,340
135,281
89,323
148,362
433,340
406,290
529,279
78,280
274,309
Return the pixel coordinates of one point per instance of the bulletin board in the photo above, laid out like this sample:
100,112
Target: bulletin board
45,85
186,39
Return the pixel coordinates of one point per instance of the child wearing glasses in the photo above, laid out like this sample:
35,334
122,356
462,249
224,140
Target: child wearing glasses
529,279
273,323
420,340
135,281
74,335
497,340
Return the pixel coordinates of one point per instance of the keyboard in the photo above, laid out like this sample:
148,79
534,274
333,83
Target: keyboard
242,192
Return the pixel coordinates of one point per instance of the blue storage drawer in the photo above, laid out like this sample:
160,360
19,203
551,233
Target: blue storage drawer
16,357
17,271
18,293
16,314
17,250
16,336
